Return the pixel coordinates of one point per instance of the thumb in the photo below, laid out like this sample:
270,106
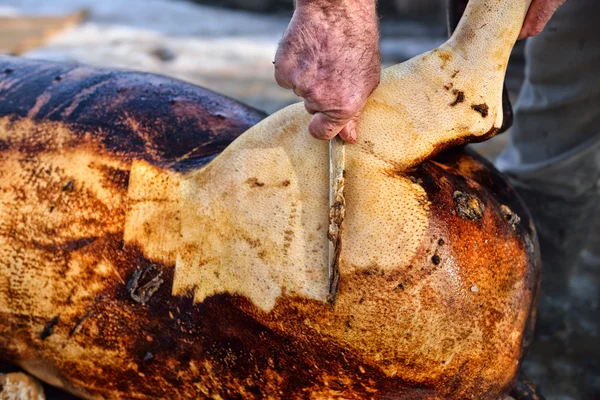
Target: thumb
348,133
323,127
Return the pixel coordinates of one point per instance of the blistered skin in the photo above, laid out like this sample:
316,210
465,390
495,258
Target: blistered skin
131,266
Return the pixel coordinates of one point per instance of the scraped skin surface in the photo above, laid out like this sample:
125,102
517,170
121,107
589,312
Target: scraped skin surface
131,266
445,97
269,178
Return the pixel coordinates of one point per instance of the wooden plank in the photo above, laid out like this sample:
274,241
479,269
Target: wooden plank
22,33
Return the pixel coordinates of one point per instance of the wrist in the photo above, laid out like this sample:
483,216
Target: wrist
326,5
355,17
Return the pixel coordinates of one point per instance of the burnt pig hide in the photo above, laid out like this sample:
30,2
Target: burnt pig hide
146,253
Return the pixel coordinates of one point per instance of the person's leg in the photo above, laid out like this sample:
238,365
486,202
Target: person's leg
553,159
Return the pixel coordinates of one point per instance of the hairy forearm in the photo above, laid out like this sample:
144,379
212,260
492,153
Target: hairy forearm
352,20
336,3
361,12
341,11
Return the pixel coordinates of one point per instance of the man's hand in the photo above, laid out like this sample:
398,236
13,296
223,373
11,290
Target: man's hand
329,55
538,16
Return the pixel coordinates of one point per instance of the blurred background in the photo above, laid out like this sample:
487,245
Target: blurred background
227,46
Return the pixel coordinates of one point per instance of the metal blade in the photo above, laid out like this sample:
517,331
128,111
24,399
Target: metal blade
337,211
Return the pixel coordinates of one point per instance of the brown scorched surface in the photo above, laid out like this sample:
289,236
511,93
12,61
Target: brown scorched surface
84,310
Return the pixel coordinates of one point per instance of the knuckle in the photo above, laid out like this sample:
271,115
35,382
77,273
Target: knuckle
331,109
283,77
322,127
282,81
310,108
345,113
284,71
536,29
315,93
355,104
302,89
317,132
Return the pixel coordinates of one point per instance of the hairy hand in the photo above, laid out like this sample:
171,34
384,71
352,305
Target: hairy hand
329,56
538,16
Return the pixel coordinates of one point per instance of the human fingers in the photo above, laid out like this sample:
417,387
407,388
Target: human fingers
324,127
283,73
538,16
348,132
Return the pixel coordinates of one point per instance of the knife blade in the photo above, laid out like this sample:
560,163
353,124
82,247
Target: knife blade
337,213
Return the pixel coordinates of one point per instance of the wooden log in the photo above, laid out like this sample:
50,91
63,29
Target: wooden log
22,33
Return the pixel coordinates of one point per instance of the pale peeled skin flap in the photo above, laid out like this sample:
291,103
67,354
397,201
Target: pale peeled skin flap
253,222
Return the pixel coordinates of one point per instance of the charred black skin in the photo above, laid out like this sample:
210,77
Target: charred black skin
99,99
184,128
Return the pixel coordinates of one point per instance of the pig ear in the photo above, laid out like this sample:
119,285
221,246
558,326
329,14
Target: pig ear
455,10
450,96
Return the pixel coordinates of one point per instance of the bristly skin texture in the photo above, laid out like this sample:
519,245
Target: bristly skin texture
85,308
